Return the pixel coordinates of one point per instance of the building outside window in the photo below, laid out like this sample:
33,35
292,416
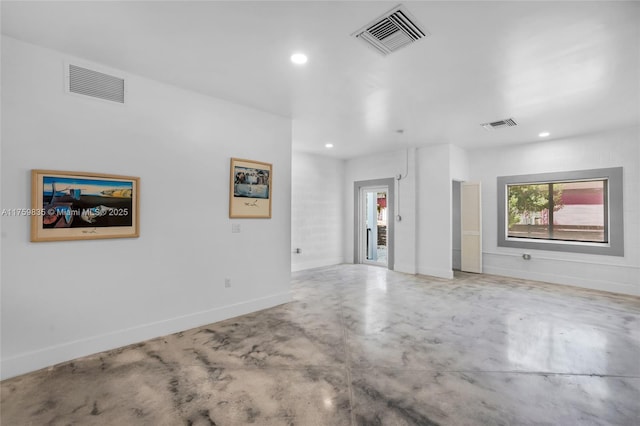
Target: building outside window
566,211
578,211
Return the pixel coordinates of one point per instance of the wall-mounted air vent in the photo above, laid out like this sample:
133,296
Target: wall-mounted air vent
391,31
92,83
501,124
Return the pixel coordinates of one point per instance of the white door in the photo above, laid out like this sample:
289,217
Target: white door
373,226
471,218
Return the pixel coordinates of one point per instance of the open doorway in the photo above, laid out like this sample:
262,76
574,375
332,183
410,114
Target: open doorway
456,226
374,213
375,226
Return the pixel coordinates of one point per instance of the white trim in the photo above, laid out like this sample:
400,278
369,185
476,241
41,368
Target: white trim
42,358
435,272
572,281
405,268
622,279
312,264
561,260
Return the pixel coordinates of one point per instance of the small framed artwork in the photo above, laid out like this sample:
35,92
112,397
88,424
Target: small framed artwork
251,189
83,206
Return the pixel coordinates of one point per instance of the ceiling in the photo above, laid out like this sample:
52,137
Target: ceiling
569,68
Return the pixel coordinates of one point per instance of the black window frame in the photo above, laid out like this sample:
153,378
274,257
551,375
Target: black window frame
551,210
614,212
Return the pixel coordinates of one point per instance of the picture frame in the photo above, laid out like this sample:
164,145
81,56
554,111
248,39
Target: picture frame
251,189
83,206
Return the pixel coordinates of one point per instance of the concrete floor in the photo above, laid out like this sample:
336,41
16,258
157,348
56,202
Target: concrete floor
367,346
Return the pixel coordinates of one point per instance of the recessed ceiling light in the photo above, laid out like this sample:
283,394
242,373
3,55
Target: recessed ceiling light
328,145
544,134
299,58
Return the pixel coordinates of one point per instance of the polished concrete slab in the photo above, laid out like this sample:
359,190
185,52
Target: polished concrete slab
361,345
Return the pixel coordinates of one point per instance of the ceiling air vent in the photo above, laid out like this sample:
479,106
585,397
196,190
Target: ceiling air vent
392,31
501,124
95,84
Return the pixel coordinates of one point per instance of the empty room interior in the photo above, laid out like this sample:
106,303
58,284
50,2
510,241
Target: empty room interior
320,213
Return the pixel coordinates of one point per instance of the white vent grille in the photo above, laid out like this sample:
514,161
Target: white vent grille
95,84
500,124
392,31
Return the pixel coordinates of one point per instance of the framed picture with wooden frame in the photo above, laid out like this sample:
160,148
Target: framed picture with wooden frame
250,189
83,206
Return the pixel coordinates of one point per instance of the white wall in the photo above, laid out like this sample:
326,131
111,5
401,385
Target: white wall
67,299
459,171
611,149
434,211
459,163
382,166
317,206
424,236
423,242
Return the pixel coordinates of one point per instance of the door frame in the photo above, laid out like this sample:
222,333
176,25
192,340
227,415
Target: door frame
358,186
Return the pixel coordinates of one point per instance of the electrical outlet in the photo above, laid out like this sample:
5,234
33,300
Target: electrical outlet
227,282
235,228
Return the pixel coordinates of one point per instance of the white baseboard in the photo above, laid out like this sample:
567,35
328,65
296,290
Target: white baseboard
405,268
578,273
46,357
573,281
317,263
435,272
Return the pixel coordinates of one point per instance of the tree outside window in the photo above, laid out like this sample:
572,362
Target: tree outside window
569,211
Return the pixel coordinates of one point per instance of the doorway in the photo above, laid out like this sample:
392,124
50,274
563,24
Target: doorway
466,230
374,219
374,226
456,226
